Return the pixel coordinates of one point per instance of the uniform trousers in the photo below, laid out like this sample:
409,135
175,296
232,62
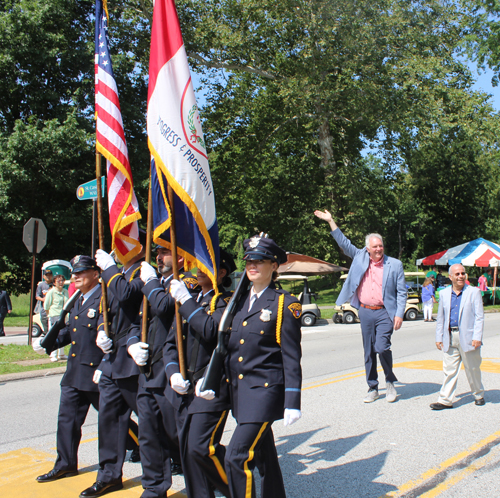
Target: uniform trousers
157,423
203,455
118,398
452,360
376,329
253,444
73,408
2,332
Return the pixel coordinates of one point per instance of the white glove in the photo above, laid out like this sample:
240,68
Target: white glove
208,394
147,272
179,385
179,291
291,416
104,342
36,346
97,376
139,352
103,259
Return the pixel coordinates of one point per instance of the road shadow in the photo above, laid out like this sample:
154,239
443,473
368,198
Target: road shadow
416,389
316,474
491,396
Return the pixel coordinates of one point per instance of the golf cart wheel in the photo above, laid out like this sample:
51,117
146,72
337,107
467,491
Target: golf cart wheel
337,318
308,320
348,317
411,314
36,331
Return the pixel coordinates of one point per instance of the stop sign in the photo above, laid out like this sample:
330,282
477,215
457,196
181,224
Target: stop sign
29,235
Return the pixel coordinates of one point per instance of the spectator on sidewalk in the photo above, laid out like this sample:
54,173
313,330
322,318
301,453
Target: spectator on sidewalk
41,291
55,299
5,308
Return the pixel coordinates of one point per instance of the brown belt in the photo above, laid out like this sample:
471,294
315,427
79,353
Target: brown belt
370,307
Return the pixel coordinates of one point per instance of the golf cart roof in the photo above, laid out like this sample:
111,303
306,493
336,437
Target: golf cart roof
292,277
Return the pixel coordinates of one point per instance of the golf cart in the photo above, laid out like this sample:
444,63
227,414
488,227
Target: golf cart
58,267
310,311
345,313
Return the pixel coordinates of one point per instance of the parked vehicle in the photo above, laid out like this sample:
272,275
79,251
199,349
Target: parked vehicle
310,310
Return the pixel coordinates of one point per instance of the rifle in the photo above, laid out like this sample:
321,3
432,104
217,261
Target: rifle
49,340
213,374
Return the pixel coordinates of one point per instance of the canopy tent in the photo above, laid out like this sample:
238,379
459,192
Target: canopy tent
458,253
481,256
307,265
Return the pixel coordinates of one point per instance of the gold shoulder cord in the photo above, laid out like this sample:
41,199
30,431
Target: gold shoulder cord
213,303
279,322
134,273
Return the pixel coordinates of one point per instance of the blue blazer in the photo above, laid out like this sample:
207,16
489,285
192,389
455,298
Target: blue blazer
393,284
470,318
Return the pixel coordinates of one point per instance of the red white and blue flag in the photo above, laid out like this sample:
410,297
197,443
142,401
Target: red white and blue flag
110,142
179,156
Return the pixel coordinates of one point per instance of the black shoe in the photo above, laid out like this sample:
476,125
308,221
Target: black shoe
54,475
479,402
176,468
440,406
100,488
135,456
2,334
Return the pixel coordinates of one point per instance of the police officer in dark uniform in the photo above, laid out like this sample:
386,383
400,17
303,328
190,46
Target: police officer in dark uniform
158,439
78,391
202,417
264,372
119,379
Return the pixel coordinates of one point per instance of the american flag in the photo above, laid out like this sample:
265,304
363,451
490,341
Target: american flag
110,142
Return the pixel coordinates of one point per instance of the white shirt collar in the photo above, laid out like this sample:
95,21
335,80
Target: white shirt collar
89,293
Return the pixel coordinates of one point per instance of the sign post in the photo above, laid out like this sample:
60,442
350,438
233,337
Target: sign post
34,238
88,191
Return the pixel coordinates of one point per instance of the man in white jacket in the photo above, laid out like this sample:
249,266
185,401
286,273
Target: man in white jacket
459,334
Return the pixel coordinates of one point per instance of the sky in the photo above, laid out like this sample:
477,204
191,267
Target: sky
483,83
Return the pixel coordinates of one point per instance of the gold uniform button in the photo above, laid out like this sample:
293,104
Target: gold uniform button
88,325
73,342
262,332
245,323
140,312
240,376
227,380
76,317
242,341
91,364
73,355
266,384
240,359
183,336
74,330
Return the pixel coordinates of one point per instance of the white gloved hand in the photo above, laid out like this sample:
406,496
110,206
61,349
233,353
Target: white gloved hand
208,394
97,376
178,384
291,416
147,272
179,291
103,259
36,346
139,352
104,342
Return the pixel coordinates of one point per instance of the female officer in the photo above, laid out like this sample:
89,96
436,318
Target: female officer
264,371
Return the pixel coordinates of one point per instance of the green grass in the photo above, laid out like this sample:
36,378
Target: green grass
20,312
11,353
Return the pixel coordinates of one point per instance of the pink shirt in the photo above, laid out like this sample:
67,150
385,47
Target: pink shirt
370,288
482,283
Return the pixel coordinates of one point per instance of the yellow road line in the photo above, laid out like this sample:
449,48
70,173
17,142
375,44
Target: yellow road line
475,451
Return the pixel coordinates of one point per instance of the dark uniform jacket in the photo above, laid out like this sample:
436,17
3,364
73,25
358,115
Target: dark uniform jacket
5,304
263,361
200,327
84,355
124,302
162,312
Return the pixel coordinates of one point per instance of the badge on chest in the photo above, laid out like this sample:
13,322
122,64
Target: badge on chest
91,313
265,315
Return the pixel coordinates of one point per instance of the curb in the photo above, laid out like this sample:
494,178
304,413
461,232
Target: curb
32,374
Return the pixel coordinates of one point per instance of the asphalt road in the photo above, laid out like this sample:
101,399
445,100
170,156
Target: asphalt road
341,448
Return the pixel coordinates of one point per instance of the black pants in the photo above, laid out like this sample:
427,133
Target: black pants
253,444
118,398
2,332
73,408
202,454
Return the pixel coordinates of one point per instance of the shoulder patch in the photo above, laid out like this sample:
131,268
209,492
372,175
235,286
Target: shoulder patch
296,309
191,283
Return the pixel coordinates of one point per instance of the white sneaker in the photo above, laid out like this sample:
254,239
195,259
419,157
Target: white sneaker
54,359
391,394
371,396
63,357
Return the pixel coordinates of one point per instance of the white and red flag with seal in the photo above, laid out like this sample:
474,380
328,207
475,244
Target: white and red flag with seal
177,146
110,142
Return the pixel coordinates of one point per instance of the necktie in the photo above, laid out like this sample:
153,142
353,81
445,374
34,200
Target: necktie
81,301
253,298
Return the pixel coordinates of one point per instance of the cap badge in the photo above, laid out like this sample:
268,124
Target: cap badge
254,242
76,260
265,315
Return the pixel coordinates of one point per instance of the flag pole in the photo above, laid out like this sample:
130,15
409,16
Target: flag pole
149,230
175,269
100,229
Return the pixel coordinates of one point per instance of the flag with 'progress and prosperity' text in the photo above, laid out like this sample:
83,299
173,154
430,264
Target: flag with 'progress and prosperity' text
177,147
110,142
